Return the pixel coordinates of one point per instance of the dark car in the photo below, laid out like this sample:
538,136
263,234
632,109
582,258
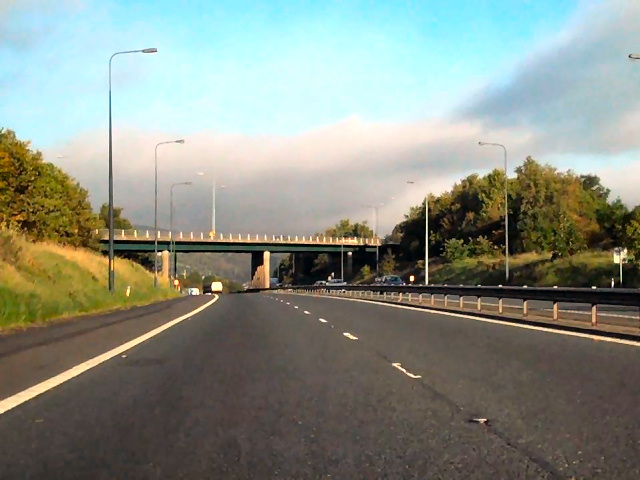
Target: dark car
392,280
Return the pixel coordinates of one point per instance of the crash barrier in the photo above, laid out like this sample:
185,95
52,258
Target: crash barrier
624,302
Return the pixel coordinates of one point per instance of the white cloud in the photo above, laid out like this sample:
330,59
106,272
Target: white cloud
575,95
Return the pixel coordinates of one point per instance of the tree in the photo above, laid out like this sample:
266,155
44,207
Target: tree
455,249
388,263
119,222
39,199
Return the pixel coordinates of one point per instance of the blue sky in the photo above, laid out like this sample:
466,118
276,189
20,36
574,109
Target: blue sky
307,109
258,67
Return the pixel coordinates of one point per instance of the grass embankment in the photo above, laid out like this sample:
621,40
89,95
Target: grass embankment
41,281
586,269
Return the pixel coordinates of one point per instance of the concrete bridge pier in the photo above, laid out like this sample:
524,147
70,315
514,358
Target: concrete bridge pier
260,269
165,267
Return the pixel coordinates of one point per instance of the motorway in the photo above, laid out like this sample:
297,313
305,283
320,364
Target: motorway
291,386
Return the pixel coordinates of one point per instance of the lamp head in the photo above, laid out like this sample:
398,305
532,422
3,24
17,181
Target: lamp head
149,50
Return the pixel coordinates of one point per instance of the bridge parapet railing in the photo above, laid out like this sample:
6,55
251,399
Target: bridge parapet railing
620,306
165,235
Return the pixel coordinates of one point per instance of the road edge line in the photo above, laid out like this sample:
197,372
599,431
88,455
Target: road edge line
25,395
568,331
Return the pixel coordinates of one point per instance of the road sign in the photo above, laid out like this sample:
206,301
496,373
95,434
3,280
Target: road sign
620,253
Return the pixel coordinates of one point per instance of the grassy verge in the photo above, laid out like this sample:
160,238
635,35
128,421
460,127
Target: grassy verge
586,269
41,281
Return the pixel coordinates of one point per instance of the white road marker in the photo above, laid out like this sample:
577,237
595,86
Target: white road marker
408,374
322,320
307,313
32,392
349,336
621,341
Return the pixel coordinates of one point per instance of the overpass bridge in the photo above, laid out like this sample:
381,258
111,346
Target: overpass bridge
260,246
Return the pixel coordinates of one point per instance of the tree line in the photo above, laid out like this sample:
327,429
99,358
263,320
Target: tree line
43,202
550,211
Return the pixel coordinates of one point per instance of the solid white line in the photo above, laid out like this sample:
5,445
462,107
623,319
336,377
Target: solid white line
307,313
410,375
32,392
621,341
349,336
322,320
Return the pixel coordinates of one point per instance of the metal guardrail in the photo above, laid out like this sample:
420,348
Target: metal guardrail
426,294
144,235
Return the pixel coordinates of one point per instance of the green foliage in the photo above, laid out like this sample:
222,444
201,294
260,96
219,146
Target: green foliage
455,249
39,199
633,238
481,247
549,212
388,263
344,228
119,222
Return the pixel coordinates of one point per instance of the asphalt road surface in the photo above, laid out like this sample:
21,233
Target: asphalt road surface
253,387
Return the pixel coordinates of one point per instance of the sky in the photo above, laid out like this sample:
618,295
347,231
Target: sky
307,110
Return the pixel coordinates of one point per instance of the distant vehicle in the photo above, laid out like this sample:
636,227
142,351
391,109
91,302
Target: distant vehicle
392,280
193,291
320,283
211,288
336,282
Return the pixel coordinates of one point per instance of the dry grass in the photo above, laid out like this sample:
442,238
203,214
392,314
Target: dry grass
41,281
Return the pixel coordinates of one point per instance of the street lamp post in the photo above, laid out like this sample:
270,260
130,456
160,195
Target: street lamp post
111,230
375,208
342,259
426,236
173,254
155,214
213,203
506,205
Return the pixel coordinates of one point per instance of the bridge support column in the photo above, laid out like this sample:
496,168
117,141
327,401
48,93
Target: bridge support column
260,269
165,267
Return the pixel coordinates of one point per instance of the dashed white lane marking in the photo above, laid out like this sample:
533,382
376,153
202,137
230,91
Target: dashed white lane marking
295,306
408,374
349,336
322,320
307,313
621,341
32,392
288,303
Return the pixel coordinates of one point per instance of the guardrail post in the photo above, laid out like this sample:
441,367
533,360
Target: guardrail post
500,305
384,295
433,299
461,302
446,300
479,303
420,299
135,234
180,235
400,297
147,233
555,310
594,315
525,308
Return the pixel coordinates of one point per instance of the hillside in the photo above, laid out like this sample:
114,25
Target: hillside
44,281
585,269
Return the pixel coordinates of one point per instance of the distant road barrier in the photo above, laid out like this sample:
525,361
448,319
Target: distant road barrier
145,235
427,295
